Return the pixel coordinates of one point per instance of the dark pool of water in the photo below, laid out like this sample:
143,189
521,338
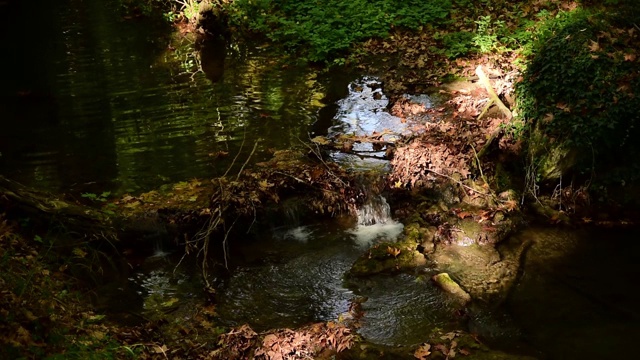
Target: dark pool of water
577,298
91,102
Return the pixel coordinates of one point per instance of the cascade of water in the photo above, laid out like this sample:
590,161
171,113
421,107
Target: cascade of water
375,211
375,222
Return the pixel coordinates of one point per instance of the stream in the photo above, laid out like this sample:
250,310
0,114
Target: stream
94,103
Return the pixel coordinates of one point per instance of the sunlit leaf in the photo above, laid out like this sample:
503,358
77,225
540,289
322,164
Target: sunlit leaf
79,252
170,302
423,351
95,318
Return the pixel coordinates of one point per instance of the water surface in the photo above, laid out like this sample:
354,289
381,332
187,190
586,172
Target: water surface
93,102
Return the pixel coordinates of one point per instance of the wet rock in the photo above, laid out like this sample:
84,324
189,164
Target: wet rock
549,209
423,236
484,272
444,281
388,257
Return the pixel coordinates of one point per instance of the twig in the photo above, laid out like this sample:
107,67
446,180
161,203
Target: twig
492,95
317,154
291,176
244,138
482,173
224,242
255,217
248,158
458,182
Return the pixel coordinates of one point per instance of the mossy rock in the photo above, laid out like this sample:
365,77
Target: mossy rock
552,160
444,281
421,235
388,257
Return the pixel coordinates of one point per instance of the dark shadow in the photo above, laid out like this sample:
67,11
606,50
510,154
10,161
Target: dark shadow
213,51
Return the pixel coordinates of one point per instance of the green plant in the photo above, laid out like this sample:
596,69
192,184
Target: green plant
458,44
94,197
486,38
580,87
190,8
325,31
143,7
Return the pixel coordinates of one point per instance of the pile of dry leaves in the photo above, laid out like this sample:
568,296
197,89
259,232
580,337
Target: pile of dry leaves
284,344
448,145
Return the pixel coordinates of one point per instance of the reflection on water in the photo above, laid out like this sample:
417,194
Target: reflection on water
109,102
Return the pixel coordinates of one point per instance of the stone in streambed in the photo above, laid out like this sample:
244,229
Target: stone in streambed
444,281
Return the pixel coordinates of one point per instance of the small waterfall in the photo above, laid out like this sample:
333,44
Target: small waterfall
375,211
375,222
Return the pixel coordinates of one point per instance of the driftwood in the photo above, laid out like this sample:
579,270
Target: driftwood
493,97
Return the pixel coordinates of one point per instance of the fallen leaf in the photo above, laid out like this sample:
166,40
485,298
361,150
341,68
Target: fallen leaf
393,251
448,336
264,185
320,140
161,349
79,252
423,351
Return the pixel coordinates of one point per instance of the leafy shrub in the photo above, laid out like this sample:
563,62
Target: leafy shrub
581,87
325,30
458,44
486,38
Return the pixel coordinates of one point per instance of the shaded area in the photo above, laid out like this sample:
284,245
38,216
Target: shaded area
574,303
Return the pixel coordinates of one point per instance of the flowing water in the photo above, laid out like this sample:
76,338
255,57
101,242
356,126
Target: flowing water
90,102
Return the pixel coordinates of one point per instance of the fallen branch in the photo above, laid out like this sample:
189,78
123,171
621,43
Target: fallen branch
493,97
458,182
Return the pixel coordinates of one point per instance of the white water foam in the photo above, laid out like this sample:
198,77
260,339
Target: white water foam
300,233
375,222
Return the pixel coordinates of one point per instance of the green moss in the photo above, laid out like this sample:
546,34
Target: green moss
388,257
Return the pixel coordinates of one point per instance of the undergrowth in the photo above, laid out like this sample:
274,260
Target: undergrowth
580,86
323,32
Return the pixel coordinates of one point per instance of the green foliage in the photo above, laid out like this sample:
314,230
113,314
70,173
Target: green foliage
189,8
458,44
486,38
581,86
143,7
94,197
328,29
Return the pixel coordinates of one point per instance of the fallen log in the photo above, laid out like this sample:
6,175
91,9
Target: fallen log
50,212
